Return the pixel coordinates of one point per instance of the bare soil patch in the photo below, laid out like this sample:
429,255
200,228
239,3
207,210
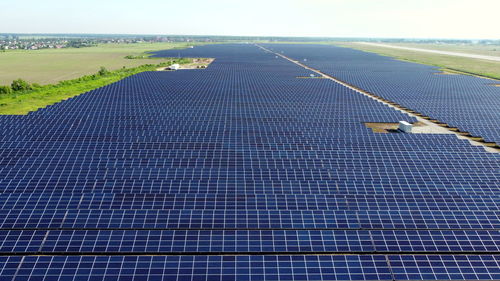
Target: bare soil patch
382,127
197,63
418,128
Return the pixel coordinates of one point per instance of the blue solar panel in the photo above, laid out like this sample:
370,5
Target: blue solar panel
204,268
252,268
445,267
242,171
464,101
247,219
247,241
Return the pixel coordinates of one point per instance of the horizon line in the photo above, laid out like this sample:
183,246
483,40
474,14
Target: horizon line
248,36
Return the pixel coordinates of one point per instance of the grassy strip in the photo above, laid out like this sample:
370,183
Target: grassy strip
23,102
464,72
468,66
138,57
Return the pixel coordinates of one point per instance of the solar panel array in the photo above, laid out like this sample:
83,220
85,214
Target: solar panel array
239,171
463,101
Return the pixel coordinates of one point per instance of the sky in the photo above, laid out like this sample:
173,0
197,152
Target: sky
453,19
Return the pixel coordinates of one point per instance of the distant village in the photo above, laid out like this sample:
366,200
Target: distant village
13,42
31,44
20,43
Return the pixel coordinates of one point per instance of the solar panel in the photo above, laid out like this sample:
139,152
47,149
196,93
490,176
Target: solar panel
242,171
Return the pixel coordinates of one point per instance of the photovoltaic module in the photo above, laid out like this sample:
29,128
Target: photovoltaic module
243,171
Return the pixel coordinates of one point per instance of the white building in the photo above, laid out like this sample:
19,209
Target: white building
174,66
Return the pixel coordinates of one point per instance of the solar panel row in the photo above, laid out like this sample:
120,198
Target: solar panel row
247,219
181,201
263,268
247,241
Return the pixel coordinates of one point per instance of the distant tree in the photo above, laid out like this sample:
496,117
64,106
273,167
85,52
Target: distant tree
102,71
20,85
5,90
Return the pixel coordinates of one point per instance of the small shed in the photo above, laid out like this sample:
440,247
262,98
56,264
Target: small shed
174,66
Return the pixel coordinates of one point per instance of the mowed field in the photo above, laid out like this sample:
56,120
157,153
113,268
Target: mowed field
477,66
50,66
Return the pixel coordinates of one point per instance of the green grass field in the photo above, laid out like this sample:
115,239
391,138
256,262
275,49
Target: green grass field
50,66
480,67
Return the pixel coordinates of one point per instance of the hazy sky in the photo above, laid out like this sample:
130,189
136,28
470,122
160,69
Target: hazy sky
330,18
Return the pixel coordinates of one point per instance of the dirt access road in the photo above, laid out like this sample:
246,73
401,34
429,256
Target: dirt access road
473,56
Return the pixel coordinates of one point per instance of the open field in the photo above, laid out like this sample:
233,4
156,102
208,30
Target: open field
50,66
478,49
476,66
